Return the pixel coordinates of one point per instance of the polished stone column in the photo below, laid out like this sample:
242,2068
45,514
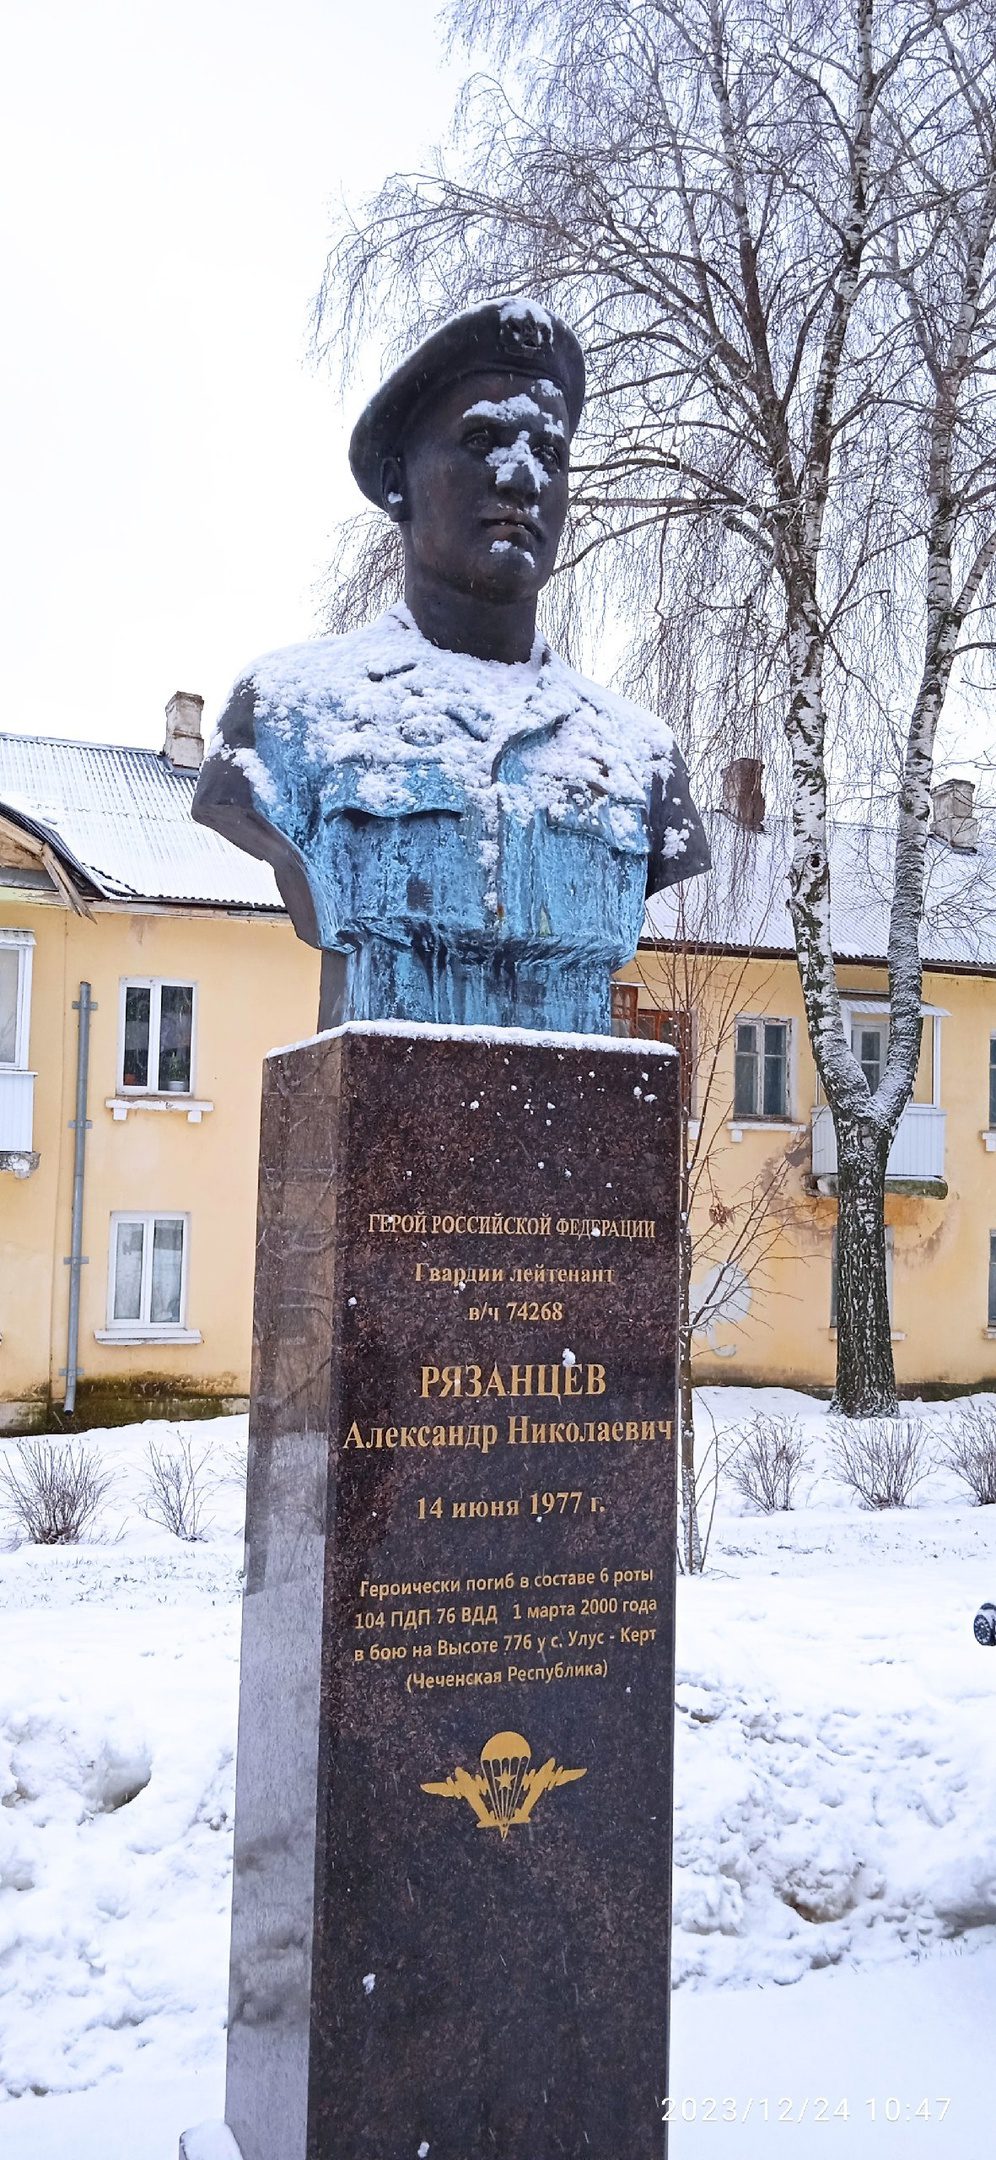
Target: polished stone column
452,1871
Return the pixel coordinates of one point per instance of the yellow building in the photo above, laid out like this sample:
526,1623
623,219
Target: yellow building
164,955
761,1140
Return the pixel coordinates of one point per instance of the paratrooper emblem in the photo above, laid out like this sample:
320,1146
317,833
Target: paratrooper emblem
506,1791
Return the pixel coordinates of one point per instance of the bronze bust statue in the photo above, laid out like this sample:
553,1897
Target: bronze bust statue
465,826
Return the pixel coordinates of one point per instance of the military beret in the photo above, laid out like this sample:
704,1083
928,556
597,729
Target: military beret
517,337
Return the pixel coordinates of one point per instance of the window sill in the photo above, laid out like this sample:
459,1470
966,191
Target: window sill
988,1139
895,1334
736,1127
989,1334
126,1337
192,1108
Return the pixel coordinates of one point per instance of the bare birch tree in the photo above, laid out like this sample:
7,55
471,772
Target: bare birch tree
730,1228
772,222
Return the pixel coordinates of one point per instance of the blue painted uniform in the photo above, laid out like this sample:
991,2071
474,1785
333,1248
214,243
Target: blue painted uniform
472,842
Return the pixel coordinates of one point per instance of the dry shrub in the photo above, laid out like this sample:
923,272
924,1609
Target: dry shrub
176,1488
769,1461
53,1489
232,1459
883,1460
970,1447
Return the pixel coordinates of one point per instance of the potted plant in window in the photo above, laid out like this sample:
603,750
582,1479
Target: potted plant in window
174,1074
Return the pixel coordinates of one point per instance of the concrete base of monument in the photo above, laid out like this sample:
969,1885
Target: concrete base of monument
453,1815
209,2141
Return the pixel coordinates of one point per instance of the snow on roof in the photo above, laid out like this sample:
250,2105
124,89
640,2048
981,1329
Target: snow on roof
122,817
742,901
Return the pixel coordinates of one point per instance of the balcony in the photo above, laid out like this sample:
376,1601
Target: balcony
17,1104
916,1157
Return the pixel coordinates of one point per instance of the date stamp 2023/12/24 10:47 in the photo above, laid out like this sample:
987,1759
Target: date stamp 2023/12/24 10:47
785,2109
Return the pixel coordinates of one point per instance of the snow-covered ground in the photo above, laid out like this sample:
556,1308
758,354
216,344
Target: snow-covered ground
835,1881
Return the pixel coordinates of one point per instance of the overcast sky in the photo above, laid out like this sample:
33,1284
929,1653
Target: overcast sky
172,463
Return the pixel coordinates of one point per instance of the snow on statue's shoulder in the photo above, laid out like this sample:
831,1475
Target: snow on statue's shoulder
645,732
386,700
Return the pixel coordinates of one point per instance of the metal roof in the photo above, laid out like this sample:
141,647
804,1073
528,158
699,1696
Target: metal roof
741,903
121,816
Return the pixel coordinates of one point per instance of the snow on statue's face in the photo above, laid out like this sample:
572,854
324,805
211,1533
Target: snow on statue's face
480,487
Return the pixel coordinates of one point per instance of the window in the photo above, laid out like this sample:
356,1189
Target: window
649,1023
870,1042
992,1082
157,1037
15,997
992,1279
148,1283
760,1069
888,1276
625,997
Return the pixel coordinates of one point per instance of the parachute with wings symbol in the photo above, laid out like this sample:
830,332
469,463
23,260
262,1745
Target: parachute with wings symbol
507,1790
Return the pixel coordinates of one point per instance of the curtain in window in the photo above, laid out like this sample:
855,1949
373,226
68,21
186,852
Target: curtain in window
128,1271
167,1266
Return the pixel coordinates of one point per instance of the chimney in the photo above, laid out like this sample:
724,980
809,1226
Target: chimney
743,792
184,745
954,820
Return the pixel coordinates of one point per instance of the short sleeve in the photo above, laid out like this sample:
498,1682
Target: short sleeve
678,845
226,799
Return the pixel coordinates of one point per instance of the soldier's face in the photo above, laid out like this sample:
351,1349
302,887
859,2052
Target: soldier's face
482,483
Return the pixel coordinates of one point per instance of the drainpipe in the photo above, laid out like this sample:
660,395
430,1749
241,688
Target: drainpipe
80,1125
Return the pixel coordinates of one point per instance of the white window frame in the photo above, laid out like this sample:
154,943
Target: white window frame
763,1117
873,1005
23,944
156,984
871,1024
146,1327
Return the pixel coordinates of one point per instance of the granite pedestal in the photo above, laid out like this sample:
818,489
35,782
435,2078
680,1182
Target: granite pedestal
453,1812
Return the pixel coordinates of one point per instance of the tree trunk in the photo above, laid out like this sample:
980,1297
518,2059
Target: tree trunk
866,1379
689,1535
689,1538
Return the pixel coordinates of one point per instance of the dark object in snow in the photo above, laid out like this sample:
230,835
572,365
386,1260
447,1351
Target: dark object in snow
985,1626
466,827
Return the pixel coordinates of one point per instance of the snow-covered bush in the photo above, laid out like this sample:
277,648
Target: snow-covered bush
970,1447
231,1454
175,1488
883,1460
769,1461
53,1489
